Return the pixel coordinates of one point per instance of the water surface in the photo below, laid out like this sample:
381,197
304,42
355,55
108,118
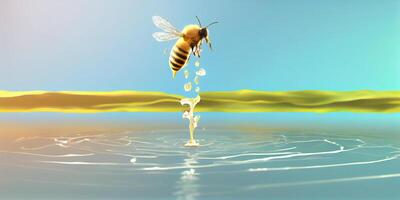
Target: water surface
229,164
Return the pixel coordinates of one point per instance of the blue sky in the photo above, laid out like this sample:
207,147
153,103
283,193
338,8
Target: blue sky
262,45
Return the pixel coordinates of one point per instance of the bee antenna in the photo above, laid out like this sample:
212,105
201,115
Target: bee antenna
211,24
198,20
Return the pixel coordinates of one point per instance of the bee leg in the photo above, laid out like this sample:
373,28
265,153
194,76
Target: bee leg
199,49
196,50
198,53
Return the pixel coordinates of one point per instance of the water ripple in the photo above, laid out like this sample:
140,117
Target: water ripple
163,151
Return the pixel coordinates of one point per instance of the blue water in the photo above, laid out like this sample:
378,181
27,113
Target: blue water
296,163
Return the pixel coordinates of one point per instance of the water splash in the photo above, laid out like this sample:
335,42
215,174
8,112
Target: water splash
192,102
193,120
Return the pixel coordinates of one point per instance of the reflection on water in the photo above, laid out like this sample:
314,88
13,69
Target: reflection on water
187,185
228,164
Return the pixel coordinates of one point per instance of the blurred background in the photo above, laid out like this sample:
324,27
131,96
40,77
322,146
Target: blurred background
260,45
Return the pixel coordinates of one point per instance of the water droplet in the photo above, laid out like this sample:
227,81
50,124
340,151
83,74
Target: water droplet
133,160
186,115
186,73
197,89
196,80
201,72
197,63
197,118
188,86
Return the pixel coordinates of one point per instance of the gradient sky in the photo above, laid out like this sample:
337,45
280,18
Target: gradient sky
262,45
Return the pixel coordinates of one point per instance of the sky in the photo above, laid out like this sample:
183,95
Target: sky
100,45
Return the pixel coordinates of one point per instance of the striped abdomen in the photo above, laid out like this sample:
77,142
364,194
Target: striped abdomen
179,56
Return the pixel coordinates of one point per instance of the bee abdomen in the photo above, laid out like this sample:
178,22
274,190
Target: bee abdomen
175,66
181,50
178,58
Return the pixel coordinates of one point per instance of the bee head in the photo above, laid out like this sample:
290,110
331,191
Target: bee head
203,33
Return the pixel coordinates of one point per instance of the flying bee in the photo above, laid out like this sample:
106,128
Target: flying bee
189,40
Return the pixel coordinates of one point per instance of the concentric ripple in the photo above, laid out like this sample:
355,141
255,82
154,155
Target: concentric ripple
159,158
164,150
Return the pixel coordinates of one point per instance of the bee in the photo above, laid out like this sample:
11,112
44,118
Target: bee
189,40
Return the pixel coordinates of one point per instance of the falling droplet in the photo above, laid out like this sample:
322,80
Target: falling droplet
197,63
197,89
201,72
186,73
196,80
165,51
188,86
133,160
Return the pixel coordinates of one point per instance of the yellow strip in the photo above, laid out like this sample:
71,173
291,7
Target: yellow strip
219,101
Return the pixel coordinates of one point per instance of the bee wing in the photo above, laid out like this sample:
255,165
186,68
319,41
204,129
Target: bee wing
162,36
165,25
